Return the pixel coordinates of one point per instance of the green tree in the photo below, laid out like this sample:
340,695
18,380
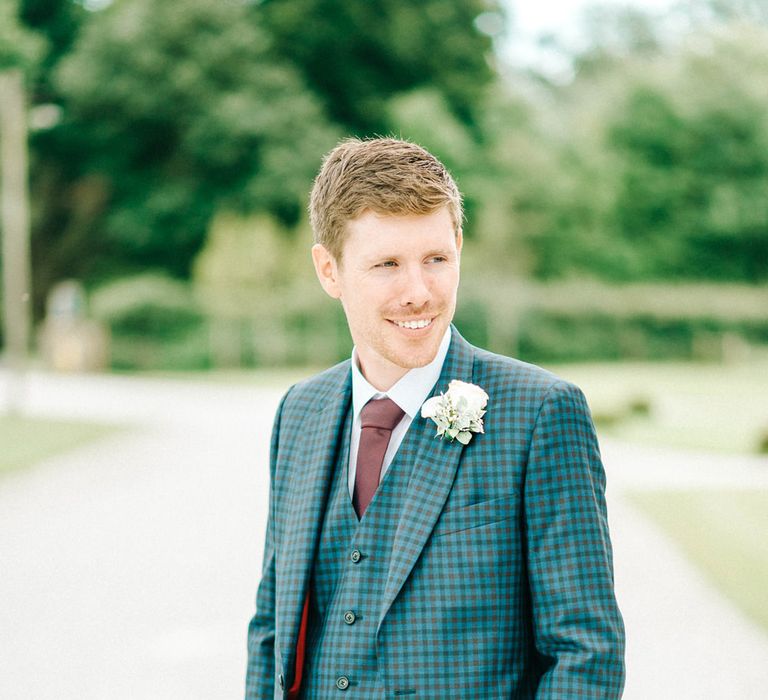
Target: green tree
356,55
693,191
19,47
172,111
614,34
660,164
58,23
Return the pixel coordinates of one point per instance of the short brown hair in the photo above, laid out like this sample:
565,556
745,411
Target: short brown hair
386,175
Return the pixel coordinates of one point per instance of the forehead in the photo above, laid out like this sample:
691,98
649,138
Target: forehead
374,233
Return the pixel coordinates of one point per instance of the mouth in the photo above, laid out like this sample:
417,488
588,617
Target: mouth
415,324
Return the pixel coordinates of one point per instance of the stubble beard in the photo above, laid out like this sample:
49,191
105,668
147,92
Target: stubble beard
388,347
424,350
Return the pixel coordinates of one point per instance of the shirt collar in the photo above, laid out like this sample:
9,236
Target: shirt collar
410,391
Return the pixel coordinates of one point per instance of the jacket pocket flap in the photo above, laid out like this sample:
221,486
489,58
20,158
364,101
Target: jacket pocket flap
476,514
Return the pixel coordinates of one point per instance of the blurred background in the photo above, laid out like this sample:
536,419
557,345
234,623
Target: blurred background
158,297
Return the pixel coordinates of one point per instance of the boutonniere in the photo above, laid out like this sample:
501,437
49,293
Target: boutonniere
458,412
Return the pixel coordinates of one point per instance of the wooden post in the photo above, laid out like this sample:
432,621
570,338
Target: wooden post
14,225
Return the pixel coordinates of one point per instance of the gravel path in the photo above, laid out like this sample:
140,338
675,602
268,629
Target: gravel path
128,568
684,640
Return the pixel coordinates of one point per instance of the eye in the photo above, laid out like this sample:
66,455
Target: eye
438,259
387,263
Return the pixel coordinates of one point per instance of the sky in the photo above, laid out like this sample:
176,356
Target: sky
549,15
530,19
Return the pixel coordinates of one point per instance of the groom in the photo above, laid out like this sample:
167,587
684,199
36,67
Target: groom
398,562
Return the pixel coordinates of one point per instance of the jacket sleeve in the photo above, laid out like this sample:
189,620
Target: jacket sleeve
260,673
578,629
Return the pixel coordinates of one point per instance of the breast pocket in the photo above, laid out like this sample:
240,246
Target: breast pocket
476,515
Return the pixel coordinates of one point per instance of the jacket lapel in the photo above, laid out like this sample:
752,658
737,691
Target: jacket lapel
434,469
310,485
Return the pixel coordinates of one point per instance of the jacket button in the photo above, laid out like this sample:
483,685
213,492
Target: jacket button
342,682
349,617
281,681
355,556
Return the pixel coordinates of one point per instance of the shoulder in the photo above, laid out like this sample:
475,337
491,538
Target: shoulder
511,373
525,400
313,392
520,384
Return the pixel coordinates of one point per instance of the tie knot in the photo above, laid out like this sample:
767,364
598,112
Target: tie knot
381,413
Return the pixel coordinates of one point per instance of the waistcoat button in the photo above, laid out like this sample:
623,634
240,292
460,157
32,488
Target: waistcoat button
355,556
349,617
342,682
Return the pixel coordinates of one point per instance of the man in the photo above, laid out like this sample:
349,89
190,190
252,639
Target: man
460,555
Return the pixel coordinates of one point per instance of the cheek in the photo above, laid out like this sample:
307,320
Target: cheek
360,306
371,296
447,286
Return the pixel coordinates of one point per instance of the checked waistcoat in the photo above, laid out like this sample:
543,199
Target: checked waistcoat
346,595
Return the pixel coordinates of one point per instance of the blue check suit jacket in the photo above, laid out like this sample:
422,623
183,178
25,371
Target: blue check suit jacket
500,583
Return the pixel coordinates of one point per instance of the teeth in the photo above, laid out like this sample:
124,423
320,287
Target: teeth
414,324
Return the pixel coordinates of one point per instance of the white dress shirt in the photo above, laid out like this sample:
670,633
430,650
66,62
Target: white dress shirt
410,392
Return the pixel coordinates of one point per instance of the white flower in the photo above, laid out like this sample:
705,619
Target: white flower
458,412
476,398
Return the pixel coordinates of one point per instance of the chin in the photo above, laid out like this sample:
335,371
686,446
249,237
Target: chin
416,357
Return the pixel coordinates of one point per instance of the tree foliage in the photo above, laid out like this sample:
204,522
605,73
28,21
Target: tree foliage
19,47
174,110
181,118
664,170
356,55
57,22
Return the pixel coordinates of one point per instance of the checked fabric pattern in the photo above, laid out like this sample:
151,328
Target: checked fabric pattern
500,579
346,594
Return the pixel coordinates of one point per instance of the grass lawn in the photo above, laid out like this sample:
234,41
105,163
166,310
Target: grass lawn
26,441
689,405
725,532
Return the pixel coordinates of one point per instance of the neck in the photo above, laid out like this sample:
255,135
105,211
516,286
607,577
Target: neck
381,378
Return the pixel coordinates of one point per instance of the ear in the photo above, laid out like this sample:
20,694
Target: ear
327,270
459,241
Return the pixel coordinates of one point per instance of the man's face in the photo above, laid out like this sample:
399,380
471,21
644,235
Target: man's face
397,283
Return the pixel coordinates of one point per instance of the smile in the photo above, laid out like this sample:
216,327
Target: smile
422,323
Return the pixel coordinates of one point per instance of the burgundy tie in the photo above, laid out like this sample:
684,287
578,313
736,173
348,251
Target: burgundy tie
378,418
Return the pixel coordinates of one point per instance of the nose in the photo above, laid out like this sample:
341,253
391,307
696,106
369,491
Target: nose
415,291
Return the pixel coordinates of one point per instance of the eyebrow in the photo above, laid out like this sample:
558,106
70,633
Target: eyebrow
444,252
